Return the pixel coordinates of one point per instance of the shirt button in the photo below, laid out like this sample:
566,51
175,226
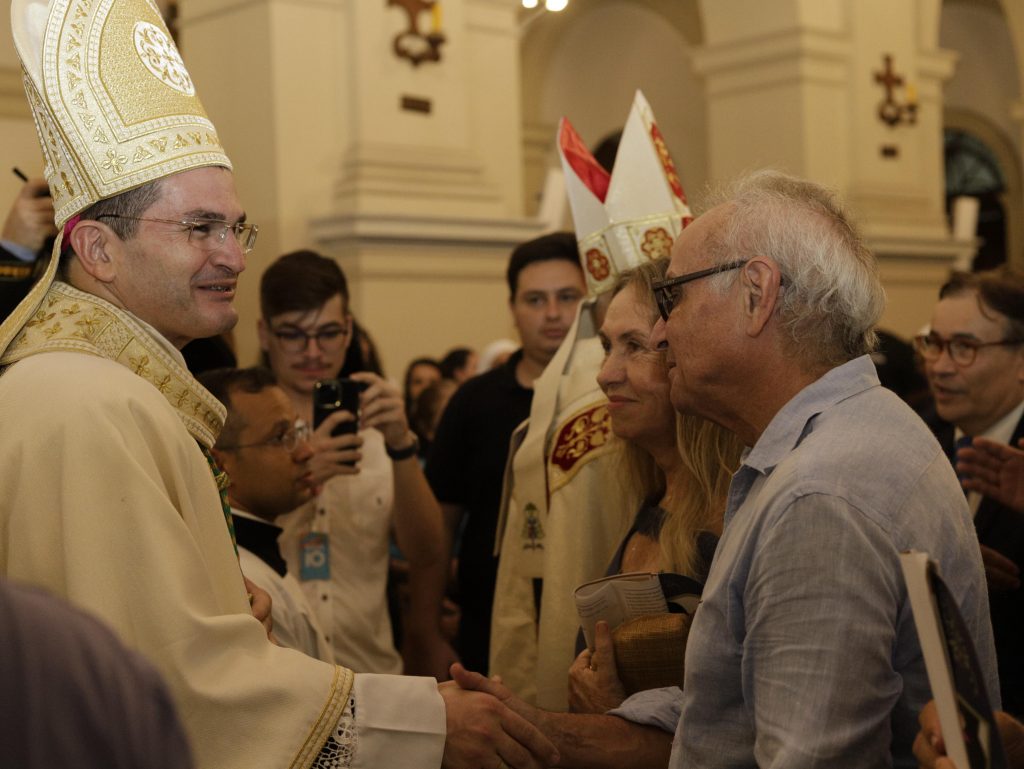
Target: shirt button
324,597
379,501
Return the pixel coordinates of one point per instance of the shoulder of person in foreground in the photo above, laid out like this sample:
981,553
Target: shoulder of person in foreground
74,695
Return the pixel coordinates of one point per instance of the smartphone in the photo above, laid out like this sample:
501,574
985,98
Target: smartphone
330,395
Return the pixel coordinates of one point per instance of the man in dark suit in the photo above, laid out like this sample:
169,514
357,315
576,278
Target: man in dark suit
974,360
27,232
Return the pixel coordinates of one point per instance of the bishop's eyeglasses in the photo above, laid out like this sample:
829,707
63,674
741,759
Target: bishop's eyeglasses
207,234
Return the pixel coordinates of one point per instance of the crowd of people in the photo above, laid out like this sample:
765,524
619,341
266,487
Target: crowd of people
257,580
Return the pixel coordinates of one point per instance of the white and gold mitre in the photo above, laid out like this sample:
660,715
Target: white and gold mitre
113,105
633,214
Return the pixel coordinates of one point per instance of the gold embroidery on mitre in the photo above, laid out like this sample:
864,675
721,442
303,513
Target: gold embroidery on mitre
657,242
111,333
580,439
599,266
117,56
109,82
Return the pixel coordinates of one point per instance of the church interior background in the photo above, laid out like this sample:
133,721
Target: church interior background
413,143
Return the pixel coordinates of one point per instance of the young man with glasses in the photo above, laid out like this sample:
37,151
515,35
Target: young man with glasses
264,448
974,360
369,481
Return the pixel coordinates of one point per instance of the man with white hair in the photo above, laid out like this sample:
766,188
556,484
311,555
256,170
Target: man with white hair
803,651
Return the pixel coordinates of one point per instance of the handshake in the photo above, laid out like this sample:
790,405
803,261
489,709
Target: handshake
490,728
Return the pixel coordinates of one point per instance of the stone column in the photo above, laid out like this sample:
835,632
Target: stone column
793,85
409,175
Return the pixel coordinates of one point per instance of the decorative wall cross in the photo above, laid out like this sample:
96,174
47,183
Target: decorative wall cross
412,44
890,111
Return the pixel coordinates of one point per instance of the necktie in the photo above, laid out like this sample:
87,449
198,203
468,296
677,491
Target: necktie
961,443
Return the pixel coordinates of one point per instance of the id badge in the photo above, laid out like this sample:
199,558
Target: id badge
316,562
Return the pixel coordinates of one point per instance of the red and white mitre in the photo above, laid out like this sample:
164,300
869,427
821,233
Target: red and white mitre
631,215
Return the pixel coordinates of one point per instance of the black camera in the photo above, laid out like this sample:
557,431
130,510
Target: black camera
330,395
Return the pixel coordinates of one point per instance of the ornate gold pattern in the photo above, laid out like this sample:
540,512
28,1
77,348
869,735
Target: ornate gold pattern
597,264
666,162
114,108
581,438
337,700
87,64
657,242
161,57
96,327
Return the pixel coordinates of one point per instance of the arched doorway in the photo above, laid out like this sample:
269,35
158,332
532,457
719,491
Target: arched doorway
972,169
586,62
983,140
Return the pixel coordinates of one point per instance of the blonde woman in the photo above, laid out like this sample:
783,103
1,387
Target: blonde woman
678,466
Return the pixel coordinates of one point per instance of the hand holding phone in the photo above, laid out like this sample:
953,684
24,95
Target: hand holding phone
333,395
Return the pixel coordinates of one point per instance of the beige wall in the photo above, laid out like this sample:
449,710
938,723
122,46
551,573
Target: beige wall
19,146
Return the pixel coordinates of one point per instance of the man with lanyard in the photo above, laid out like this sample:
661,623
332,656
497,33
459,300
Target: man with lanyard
109,500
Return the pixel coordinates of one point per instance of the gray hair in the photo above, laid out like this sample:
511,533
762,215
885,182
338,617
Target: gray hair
832,296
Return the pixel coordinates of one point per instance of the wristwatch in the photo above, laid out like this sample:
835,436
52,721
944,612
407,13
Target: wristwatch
396,455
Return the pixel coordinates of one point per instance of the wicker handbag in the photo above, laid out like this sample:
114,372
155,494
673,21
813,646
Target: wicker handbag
649,650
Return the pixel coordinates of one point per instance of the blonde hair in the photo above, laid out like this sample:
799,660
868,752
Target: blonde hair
709,456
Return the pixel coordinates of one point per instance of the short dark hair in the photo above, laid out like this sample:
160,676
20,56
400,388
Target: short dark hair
300,281
130,205
221,382
1001,289
557,245
453,360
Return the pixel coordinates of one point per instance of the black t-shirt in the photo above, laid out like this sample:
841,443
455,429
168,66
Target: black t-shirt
465,467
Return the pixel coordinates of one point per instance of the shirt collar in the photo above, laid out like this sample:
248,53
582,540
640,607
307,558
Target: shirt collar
793,421
1001,431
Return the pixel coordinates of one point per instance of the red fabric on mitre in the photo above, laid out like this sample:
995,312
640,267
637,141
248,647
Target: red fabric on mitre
582,162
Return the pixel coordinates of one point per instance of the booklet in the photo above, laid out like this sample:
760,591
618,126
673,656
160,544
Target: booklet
616,599
965,713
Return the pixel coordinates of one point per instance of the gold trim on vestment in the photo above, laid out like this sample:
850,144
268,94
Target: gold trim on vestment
69,320
325,725
579,439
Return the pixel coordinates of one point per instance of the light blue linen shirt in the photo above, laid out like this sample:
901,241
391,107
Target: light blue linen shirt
803,652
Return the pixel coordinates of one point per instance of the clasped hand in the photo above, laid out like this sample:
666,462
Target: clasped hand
490,728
